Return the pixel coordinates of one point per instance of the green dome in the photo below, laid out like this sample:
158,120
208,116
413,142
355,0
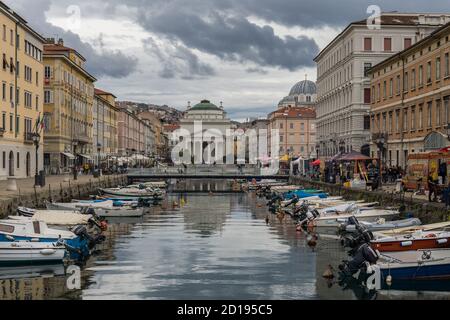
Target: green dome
205,105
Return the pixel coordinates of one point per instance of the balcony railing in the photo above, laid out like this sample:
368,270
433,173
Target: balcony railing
28,137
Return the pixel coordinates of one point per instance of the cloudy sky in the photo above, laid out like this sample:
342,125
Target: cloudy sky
246,53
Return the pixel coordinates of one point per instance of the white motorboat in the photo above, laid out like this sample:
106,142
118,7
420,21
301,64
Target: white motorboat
53,217
103,212
333,219
24,228
133,192
26,252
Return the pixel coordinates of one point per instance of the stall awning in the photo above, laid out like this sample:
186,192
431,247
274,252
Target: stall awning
68,155
87,157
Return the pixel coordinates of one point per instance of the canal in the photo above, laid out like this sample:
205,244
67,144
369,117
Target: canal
201,246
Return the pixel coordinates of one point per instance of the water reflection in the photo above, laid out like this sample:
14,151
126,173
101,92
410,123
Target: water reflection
207,246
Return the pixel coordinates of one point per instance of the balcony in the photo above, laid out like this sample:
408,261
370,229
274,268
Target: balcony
28,138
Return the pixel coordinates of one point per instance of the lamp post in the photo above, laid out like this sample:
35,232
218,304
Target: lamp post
380,140
99,148
75,172
36,141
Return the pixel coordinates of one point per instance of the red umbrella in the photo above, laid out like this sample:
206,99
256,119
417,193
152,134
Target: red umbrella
316,163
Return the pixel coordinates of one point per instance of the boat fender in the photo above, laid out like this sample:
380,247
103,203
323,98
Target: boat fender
389,280
47,252
442,241
406,243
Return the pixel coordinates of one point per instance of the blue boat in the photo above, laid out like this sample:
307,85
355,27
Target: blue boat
78,243
302,194
427,264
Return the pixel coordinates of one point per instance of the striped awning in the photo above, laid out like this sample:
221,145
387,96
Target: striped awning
68,155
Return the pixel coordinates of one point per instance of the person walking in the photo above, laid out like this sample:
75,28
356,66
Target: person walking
431,186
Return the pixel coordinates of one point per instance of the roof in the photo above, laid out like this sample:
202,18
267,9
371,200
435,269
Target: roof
205,105
303,87
387,19
52,48
103,93
411,48
22,22
294,112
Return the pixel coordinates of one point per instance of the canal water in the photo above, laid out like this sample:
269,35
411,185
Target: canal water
201,246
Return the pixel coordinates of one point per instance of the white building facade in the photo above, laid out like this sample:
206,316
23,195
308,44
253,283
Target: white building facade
343,100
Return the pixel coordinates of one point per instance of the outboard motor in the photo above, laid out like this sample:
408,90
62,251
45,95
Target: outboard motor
362,256
354,240
273,204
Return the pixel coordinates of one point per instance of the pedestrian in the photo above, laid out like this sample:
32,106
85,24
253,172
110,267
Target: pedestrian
431,186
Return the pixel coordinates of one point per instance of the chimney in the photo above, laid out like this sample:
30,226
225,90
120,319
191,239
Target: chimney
50,40
60,42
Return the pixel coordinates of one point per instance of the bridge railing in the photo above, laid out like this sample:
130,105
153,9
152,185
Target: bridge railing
199,170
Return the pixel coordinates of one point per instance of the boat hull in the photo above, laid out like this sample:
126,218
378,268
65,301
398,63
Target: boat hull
28,252
413,244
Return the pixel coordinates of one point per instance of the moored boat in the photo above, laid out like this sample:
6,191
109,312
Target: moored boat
415,241
27,252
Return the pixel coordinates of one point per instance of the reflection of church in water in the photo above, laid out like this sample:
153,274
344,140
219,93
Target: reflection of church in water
206,216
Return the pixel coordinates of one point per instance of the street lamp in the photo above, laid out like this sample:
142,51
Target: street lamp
36,140
75,172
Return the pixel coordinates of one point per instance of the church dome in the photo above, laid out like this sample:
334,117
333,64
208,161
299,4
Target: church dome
304,87
205,105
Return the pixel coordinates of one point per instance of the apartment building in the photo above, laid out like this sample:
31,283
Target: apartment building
105,135
68,103
344,96
410,100
21,96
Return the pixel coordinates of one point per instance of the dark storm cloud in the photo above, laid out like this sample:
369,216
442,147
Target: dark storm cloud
233,39
177,60
256,70
110,63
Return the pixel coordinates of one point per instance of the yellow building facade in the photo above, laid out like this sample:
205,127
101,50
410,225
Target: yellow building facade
68,108
21,95
105,135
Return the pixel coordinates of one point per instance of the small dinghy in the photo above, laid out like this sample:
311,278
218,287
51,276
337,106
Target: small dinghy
415,241
26,252
99,211
54,217
133,192
381,225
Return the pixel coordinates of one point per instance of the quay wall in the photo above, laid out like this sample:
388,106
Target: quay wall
427,212
58,192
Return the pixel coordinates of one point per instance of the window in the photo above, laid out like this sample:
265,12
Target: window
291,125
37,102
438,113
407,42
384,90
367,66
4,121
421,117
397,121
28,99
18,123
429,104
367,44
47,72
4,91
387,44
446,108
413,118
429,72
28,74
447,65
405,82
413,78
11,122
281,126
405,120
420,75
4,159
37,78
391,87
366,122
18,160
390,122
48,98
398,84
4,32
378,92
281,138
366,95
438,68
